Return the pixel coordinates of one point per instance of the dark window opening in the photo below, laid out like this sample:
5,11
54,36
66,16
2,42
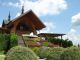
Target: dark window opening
23,26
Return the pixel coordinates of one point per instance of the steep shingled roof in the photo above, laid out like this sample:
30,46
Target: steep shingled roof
32,18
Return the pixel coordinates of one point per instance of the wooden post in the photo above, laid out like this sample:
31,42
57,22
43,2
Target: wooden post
33,29
61,39
14,28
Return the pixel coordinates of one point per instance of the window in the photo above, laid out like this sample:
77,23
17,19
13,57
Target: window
23,26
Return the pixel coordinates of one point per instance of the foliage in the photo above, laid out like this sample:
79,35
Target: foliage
64,43
2,43
55,40
45,43
43,52
70,43
7,41
2,57
49,53
72,53
55,53
1,52
67,43
36,50
13,40
20,53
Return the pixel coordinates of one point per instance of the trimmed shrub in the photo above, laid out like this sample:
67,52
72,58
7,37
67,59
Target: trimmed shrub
72,53
43,52
55,53
20,53
36,50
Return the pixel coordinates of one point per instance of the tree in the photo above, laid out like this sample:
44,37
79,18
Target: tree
7,41
64,43
70,43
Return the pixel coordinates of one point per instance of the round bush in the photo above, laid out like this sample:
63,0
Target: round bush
55,53
36,50
20,53
72,53
43,52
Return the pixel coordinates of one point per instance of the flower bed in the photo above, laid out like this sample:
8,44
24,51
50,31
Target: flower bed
35,45
53,45
42,41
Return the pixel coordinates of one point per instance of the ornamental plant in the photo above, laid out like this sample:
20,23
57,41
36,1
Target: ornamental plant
55,53
72,53
36,50
43,52
20,53
13,40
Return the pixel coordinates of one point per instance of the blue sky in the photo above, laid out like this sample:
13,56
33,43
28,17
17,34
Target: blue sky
60,16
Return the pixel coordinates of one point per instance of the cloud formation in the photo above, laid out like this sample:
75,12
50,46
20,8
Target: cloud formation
76,20
75,38
72,34
18,14
50,26
14,5
42,7
0,25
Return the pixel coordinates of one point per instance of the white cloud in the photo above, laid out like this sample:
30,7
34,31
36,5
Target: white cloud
72,30
72,34
14,5
49,27
43,7
75,38
0,25
76,20
18,14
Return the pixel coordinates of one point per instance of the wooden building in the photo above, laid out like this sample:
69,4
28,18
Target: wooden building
24,24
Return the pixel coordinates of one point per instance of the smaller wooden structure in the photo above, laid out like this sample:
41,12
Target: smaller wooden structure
50,35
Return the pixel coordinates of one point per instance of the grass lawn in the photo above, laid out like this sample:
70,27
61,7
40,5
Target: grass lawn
2,57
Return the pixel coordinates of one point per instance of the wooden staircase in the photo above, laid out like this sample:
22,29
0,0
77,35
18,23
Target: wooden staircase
21,41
